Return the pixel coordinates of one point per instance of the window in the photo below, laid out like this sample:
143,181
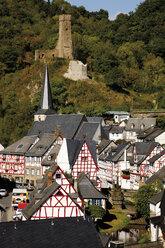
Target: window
15,167
27,171
32,171
37,159
82,151
4,157
38,172
7,167
132,125
58,176
84,159
27,159
59,193
49,158
142,126
32,159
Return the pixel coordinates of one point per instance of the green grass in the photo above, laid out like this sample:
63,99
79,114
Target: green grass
119,223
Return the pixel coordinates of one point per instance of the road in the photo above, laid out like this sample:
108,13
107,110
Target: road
6,202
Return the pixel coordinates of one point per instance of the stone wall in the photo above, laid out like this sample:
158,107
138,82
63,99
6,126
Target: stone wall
77,71
64,44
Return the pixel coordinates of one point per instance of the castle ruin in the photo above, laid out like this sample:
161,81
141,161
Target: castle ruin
64,44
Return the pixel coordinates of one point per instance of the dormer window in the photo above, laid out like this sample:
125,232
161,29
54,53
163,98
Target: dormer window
49,158
132,125
142,126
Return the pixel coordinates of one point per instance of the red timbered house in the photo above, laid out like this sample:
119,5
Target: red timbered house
115,167
77,156
51,200
142,170
12,159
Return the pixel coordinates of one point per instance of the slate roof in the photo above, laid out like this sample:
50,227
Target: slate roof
117,155
87,131
50,158
21,146
42,146
95,119
156,198
104,144
46,96
150,134
68,125
160,174
117,113
116,129
58,232
74,147
42,196
87,189
143,149
137,122
156,157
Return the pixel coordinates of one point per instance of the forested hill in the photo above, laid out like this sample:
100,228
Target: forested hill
125,57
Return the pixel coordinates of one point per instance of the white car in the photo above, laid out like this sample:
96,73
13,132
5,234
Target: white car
3,192
18,215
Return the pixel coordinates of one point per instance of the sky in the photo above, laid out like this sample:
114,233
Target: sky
114,7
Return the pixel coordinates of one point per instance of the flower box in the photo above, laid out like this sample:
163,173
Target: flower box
125,176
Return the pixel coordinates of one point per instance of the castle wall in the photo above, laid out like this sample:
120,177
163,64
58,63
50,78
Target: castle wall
64,44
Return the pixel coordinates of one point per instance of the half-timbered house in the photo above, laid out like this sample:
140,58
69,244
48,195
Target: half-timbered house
76,156
142,170
90,194
50,200
12,159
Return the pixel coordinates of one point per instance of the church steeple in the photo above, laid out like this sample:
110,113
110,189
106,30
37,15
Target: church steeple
46,96
46,105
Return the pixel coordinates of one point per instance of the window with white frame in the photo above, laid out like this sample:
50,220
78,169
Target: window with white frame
16,167
84,159
37,159
32,171
27,159
38,172
27,171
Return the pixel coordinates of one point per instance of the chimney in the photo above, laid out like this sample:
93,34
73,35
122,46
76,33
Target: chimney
49,179
75,185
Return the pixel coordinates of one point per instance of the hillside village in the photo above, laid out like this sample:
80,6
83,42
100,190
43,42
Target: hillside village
81,181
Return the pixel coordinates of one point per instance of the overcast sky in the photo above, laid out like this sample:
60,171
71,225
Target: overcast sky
114,7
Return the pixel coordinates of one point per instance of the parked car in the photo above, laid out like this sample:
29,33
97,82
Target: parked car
3,192
18,215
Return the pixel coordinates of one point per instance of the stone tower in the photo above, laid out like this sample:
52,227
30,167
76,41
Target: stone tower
64,44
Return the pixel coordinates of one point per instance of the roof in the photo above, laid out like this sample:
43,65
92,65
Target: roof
41,147
143,149
21,146
116,129
160,174
150,134
42,196
68,125
95,119
105,144
156,198
46,96
119,151
135,124
117,113
87,131
58,232
87,189
50,158
156,157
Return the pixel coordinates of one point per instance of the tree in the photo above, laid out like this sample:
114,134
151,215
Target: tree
142,196
97,211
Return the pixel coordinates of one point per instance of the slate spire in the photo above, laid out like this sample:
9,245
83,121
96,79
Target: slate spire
46,96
